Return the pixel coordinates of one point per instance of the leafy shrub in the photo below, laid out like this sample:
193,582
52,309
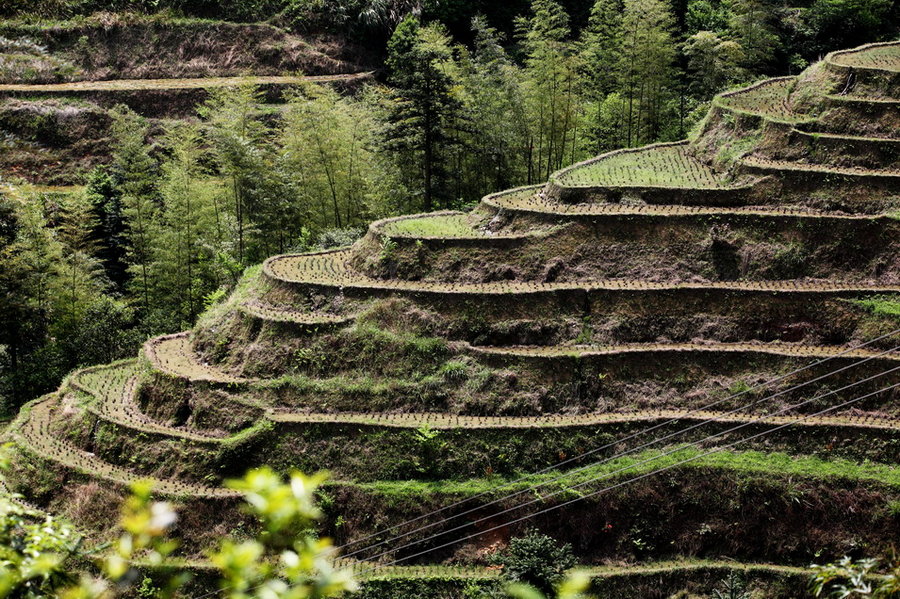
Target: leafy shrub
335,238
847,578
535,559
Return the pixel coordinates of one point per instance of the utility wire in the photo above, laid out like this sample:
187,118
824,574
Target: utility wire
627,438
623,483
607,446
625,468
673,420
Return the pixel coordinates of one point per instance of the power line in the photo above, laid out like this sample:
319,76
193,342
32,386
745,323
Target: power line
640,477
634,435
610,474
607,446
627,438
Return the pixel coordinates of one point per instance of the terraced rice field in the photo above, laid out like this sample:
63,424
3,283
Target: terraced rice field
440,421
883,57
332,269
330,282
36,436
539,204
264,311
112,390
784,349
433,226
660,166
174,354
171,84
785,166
769,98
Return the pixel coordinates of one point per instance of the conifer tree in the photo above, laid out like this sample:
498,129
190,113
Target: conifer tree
425,112
135,171
551,83
645,67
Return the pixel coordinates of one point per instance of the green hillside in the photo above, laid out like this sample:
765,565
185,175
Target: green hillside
692,343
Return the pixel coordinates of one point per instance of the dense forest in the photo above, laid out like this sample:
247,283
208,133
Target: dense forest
473,97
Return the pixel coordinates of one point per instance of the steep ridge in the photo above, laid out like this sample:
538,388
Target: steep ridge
730,285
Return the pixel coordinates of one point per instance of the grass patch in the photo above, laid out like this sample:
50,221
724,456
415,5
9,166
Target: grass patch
669,166
882,305
447,225
750,462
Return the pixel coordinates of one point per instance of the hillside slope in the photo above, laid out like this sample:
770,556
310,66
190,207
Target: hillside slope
736,292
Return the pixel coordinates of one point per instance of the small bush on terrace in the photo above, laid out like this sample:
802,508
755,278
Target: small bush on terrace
535,559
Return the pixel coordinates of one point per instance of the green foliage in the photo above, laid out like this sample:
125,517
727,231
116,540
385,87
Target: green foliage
732,587
327,143
573,586
535,559
550,88
848,578
184,268
285,561
55,308
40,554
646,67
33,548
885,305
136,171
751,24
424,112
712,63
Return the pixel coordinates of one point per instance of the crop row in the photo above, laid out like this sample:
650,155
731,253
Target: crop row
537,203
113,390
772,347
774,166
883,56
372,571
169,84
268,312
436,420
120,406
660,166
769,98
173,354
37,436
332,269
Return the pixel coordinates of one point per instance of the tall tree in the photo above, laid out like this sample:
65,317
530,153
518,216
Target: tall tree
645,65
495,158
326,144
238,139
751,24
185,249
551,82
105,197
600,47
425,112
136,172
28,255
712,63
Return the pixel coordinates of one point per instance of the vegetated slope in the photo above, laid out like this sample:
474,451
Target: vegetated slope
58,79
122,46
750,276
